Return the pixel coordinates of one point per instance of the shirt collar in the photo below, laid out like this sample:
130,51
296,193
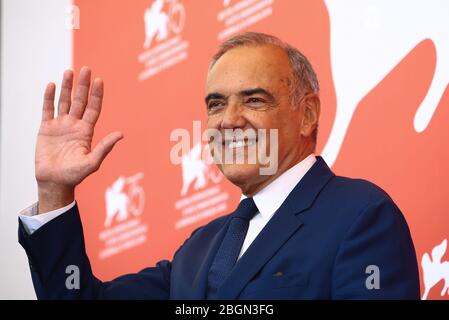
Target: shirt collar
270,198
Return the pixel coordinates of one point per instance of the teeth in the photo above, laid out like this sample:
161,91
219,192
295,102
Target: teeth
239,144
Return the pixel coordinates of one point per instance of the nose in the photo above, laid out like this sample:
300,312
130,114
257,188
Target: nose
233,116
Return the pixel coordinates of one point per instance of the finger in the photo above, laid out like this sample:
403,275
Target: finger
82,92
93,108
103,148
65,98
49,107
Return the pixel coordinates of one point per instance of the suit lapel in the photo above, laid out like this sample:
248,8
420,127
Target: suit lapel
279,229
281,226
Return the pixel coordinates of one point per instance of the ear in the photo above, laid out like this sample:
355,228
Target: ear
311,108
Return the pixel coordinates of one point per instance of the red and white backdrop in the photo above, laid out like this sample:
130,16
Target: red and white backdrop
384,73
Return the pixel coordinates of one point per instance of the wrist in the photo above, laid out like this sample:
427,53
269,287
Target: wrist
52,197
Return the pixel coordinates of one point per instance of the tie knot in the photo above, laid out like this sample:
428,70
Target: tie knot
246,210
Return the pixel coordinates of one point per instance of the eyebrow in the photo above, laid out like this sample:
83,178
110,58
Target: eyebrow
244,93
214,95
258,90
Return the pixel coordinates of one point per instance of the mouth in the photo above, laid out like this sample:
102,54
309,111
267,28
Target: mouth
239,143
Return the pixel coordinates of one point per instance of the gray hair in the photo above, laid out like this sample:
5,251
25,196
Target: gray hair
304,79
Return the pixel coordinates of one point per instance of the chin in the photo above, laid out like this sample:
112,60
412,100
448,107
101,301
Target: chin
240,174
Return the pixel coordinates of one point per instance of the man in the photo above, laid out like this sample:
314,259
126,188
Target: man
298,233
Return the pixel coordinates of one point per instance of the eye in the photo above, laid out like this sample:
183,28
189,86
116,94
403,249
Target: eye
255,101
215,105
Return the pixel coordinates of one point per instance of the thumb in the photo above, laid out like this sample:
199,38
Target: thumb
103,148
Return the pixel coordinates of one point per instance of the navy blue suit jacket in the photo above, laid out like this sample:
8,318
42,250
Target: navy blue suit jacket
318,245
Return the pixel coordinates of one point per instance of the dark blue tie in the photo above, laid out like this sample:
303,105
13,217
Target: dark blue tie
230,247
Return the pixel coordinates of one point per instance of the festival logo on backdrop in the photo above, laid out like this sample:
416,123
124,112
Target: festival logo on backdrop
196,171
123,228
163,46
201,195
236,16
379,41
434,270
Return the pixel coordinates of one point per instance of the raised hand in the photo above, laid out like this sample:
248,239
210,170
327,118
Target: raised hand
64,155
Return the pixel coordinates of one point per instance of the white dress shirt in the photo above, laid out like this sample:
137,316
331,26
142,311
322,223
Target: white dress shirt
32,221
270,198
267,200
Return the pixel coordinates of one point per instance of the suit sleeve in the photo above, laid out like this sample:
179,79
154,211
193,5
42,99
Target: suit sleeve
60,243
377,259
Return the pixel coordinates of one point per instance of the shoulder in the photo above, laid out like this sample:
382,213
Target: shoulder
347,202
359,191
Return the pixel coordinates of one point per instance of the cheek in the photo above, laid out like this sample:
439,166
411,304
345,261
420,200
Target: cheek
289,129
263,119
213,121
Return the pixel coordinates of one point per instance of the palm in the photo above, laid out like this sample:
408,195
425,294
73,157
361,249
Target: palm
63,150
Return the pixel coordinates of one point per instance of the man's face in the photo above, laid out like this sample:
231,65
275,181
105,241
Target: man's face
248,88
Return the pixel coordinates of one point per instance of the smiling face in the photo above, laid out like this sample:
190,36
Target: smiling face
249,88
